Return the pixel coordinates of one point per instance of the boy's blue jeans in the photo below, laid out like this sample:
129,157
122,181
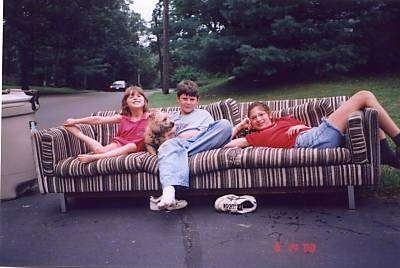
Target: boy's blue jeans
173,155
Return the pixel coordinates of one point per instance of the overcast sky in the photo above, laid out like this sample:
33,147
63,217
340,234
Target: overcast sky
144,8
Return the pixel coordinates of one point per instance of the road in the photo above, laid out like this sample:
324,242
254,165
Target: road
54,109
311,230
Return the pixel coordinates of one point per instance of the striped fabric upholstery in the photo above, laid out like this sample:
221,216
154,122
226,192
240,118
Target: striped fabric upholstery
131,163
122,182
328,104
225,109
58,144
371,130
309,113
105,133
356,141
36,137
286,177
226,168
261,157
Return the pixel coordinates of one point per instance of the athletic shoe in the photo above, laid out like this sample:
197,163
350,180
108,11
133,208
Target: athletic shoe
154,204
236,204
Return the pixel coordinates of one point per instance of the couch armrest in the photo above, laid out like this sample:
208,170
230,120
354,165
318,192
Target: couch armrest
362,130
57,144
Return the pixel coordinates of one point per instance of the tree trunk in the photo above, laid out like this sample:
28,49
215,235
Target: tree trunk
164,50
25,67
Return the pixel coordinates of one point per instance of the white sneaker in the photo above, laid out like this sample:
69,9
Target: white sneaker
236,204
156,206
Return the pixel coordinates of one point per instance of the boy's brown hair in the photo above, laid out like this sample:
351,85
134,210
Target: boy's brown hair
187,87
130,91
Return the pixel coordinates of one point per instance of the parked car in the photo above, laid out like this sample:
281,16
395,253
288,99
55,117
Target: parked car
119,85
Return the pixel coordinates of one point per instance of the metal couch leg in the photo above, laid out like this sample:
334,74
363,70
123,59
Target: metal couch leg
63,203
350,196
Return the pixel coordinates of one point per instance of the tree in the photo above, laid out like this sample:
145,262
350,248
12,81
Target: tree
76,43
164,50
274,39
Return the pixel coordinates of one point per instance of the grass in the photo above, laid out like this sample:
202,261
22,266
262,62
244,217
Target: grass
385,88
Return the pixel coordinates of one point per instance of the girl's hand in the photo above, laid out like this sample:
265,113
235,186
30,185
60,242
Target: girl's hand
295,129
244,124
69,122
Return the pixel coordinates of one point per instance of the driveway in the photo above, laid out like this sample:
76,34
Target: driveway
285,231
54,109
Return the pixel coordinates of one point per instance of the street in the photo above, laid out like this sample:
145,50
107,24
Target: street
54,109
284,231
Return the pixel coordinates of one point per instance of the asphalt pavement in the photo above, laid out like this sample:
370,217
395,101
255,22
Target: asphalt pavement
286,230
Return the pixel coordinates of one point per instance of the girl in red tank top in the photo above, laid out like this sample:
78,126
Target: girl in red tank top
130,136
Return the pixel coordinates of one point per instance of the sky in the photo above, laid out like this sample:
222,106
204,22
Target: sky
144,8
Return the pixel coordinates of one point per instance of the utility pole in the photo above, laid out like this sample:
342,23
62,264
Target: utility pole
164,50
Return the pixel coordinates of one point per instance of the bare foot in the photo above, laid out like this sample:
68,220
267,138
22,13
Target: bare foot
87,158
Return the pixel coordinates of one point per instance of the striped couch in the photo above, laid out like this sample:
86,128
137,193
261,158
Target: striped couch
248,170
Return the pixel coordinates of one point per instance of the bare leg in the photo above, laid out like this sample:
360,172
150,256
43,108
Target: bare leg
358,101
93,145
123,150
361,100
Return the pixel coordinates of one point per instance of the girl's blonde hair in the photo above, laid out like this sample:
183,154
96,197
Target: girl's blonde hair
130,91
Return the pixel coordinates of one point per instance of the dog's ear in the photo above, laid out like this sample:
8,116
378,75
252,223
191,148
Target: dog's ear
151,149
153,113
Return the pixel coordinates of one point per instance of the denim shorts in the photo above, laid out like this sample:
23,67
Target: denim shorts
325,135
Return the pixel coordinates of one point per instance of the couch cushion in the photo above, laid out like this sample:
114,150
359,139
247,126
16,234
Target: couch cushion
135,162
218,159
261,157
252,157
309,113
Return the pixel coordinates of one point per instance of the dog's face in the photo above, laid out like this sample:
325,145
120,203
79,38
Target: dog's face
160,127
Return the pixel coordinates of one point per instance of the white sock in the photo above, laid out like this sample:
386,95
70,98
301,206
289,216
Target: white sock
168,195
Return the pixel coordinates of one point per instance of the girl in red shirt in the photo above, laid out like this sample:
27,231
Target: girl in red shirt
130,136
288,132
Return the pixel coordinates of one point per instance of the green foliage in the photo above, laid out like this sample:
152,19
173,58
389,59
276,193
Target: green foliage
285,39
79,43
260,62
184,73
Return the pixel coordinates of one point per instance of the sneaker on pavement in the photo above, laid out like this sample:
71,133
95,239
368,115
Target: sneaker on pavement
156,206
236,204
224,199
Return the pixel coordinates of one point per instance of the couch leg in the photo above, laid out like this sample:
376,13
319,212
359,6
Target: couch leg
63,203
350,196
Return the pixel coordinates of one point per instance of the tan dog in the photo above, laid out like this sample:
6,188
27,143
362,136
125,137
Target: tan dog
160,128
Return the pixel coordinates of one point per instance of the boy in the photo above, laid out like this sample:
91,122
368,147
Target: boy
196,132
